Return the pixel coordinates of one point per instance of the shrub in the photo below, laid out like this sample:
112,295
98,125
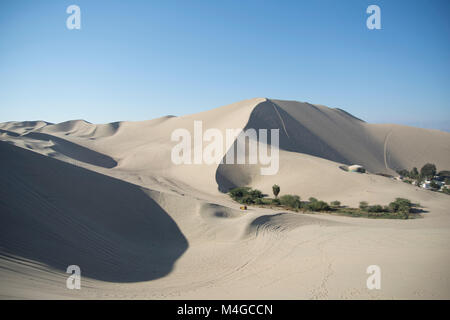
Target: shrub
258,201
405,215
401,207
363,205
335,203
247,199
245,195
446,190
375,214
317,206
375,208
312,199
402,214
256,194
291,201
403,202
276,201
393,207
239,192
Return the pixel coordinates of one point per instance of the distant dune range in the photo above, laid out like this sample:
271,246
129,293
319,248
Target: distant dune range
108,198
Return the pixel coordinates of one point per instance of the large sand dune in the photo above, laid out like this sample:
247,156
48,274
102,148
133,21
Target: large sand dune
335,135
108,198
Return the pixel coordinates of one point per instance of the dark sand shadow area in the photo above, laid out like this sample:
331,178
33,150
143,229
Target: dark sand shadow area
293,137
59,215
75,151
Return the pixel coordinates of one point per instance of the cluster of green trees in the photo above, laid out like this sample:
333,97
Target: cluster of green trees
293,202
400,207
428,171
247,195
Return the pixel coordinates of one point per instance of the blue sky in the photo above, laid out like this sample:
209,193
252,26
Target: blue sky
137,60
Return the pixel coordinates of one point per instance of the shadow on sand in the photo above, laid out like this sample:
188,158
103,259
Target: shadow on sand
59,215
300,139
75,151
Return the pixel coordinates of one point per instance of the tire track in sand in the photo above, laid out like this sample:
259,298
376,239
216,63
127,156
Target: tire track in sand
279,116
385,148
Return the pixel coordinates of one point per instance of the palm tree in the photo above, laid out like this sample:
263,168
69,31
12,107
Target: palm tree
276,190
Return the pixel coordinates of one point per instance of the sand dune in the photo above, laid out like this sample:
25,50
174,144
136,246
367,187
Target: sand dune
335,135
58,214
108,198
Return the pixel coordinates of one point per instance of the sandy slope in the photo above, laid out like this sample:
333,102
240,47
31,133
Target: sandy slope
141,227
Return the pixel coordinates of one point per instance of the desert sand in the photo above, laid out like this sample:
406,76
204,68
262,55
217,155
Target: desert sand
108,198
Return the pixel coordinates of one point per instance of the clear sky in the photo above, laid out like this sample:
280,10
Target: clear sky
137,60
